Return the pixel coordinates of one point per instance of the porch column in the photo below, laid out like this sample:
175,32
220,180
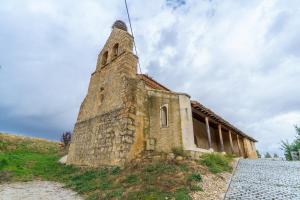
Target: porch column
221,137
231,143
238,141
208,133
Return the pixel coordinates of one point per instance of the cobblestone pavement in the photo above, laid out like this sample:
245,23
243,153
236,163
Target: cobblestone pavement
265,179
36,190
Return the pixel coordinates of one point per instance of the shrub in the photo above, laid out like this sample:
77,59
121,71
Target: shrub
216,162
268,155
3,163
258,154
178,151
66,138
195,177
115,170
289,147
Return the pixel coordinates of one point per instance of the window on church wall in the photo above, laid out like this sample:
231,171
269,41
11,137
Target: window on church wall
115,51
164,116
104,58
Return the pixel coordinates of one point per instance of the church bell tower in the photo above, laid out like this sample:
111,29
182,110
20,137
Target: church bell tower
104,131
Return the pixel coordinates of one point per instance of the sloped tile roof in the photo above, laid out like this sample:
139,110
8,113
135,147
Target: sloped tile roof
206,111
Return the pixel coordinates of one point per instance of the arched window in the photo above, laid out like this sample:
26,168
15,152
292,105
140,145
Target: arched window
164,116
115,50
104,58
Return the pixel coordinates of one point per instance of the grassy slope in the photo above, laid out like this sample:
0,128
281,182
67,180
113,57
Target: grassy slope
23,159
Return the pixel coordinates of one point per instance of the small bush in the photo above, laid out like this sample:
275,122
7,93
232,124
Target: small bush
115,170
66,138
3,163
216,162
195,177
268,155
178,151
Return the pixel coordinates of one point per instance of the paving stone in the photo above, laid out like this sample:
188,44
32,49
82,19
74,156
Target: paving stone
265,179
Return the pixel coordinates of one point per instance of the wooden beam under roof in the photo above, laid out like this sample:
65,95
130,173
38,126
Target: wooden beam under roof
199,108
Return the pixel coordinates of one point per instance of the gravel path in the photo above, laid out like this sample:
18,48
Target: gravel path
36,190
265,179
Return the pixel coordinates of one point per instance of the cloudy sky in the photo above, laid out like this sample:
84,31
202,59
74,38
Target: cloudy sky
239,58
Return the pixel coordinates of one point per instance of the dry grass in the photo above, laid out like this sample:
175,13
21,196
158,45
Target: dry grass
10,143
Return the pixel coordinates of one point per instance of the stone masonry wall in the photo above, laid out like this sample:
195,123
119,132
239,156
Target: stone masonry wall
166,137
103,140
105,132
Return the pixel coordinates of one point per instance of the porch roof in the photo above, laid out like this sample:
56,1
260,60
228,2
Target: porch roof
209,113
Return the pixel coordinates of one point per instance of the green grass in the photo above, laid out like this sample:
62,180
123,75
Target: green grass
182,194
132,179
195,177
25,160
178,151
216,162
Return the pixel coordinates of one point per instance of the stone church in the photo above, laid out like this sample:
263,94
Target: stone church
125,113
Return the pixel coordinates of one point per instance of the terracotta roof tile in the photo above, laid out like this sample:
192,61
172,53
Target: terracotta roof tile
152,83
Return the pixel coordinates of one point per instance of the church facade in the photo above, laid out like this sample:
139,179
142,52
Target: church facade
125,113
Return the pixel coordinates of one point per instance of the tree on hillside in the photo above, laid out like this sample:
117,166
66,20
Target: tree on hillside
298,134
289,147
267,155
66,138
275,155
258,154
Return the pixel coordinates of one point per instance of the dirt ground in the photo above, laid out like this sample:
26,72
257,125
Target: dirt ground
36,190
